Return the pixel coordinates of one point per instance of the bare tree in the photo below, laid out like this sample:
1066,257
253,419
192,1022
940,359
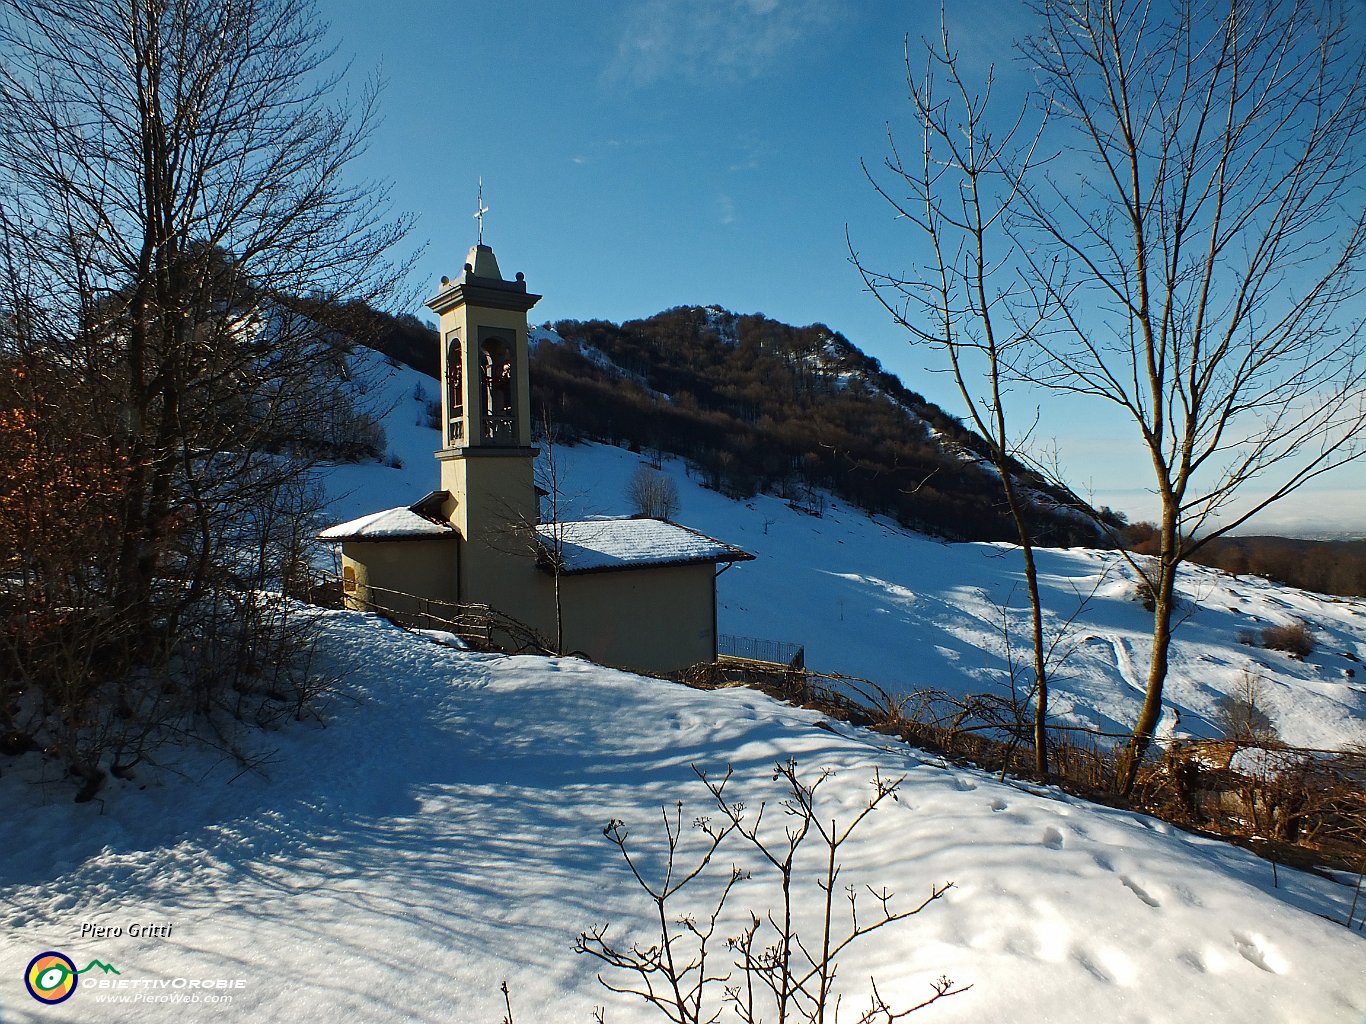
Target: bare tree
173,178
1196,262
652,494
549,539
1242,716
540,531
1189,249
956,188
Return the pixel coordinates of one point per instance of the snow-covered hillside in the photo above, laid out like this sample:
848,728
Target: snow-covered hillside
869,599
439,829
443,832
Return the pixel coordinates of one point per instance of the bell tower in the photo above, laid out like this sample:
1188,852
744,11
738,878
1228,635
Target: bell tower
485,402
487,462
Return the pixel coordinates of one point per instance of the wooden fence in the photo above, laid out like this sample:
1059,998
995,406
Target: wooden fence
477,625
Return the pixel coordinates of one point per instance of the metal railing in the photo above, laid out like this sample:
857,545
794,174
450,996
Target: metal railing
748,648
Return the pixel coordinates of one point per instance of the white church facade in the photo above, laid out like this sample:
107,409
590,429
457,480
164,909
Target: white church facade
635,593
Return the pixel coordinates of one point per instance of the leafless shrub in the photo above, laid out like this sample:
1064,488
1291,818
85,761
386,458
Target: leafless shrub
1242,715
652,494
1294,639
678,972
1082,761
1143,594
889,712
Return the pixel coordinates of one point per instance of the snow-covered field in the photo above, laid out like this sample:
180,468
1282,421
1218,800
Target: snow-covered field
440,830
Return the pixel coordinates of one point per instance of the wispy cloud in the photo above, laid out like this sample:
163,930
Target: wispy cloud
749,153
717,40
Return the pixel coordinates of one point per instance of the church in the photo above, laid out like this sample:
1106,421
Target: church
633,593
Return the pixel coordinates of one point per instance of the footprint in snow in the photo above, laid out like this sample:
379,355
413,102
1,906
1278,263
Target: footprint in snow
1189,897
1052,839
1086,960
1192,959
999,805
1255,953
964,785
1139,891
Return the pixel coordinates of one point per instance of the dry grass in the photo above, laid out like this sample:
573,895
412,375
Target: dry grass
1295,640
1305,807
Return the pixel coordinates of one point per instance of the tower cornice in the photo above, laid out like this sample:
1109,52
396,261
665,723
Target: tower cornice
488,292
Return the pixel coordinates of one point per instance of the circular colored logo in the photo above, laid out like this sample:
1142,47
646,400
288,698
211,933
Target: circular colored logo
51,977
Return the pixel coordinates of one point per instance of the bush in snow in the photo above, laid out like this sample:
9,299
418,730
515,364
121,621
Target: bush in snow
777,966
1294,639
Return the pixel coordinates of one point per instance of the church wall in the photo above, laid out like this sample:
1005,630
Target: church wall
512,585
491,491
659,619
496,510
417,567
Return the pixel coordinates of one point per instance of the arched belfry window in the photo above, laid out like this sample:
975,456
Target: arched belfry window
495,367
455,389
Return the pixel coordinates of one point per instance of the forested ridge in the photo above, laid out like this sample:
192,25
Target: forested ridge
1325,566
760,405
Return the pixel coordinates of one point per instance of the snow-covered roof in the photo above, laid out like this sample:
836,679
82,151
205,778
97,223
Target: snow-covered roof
391,524
601,545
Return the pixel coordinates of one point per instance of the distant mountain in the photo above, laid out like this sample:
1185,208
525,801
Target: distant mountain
758,405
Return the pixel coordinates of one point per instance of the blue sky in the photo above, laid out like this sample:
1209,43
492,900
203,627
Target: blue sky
654,153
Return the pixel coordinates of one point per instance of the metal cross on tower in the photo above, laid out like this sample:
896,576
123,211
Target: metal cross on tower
479,213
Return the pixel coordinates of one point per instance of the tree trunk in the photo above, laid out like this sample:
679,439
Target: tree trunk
1040,668
1126,771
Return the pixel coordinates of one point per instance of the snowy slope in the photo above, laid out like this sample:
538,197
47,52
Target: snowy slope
870,599
443,832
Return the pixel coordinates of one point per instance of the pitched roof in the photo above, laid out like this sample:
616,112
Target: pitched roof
604,545
391,524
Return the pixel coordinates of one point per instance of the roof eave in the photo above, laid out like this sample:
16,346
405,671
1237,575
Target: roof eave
357,538
737,556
